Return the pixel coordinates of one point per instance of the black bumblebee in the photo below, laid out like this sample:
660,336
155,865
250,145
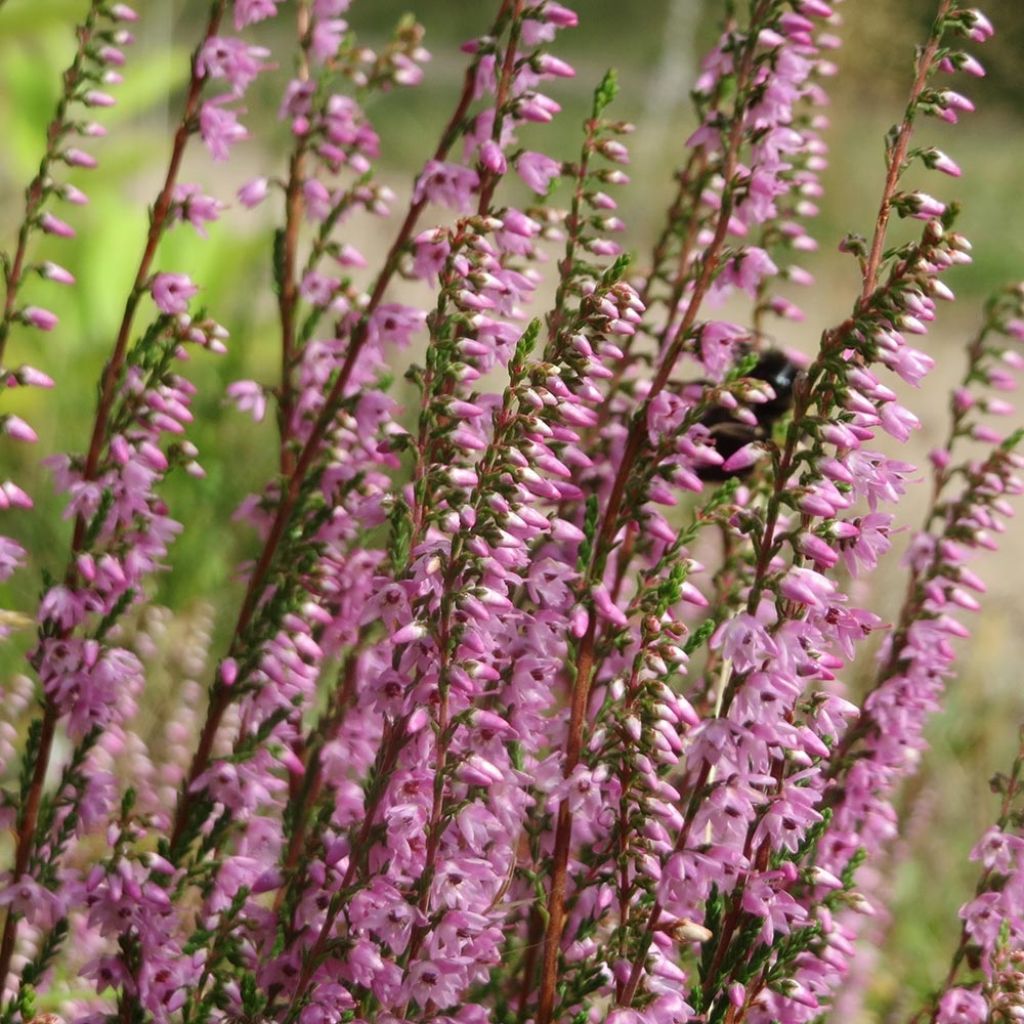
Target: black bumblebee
730,433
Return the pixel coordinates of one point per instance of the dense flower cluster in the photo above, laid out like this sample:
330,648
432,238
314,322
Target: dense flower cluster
500,731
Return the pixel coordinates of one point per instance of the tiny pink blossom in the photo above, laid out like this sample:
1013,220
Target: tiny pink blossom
41,318
55,226
220,128
72,195
249,11
12,496
198,209
447,184
171,292
39,905
249,397
78,158
492,158
252,193
55,272
16,427
547,64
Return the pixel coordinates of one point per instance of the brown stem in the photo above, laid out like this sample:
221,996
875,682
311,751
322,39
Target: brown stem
898,153
490,180
26,829
157,224
289,287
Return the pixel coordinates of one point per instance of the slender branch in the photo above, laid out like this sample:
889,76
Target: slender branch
897,154
288,293
36,192
490,182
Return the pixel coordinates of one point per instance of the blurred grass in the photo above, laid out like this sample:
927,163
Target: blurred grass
971,741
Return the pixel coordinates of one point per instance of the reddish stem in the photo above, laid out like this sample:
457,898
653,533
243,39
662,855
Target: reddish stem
289,288
898,154
490,181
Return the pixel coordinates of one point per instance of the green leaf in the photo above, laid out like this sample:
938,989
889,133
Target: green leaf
606,92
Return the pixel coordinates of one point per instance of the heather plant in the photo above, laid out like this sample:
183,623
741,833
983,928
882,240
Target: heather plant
537,702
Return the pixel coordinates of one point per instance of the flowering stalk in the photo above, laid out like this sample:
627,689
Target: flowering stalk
96,56
62,610
295,482
992,937
673,340
899,143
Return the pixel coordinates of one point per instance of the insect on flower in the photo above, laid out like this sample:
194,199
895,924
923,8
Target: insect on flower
730,432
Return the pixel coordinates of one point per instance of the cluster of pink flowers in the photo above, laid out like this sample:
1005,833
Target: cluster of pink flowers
499,732
99,53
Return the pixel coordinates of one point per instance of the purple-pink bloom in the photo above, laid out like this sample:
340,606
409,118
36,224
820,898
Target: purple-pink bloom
171,292
962,1006
252,193
38,317
220,128
249,11
538,170
249,397
234,60
198,209
39,905
448,184
55,226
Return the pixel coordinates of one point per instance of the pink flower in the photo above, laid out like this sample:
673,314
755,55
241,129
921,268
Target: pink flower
39,905
538,170
328,34
962,1006
492,158
439,983
550,66
806,586
448,184
234,60
220,128
249,11
41,318
249,397
171,292
717,344
252,193
395,324
95,98
190,204
55,226
78,158
55,272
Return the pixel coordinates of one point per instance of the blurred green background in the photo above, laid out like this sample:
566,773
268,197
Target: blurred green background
655,45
